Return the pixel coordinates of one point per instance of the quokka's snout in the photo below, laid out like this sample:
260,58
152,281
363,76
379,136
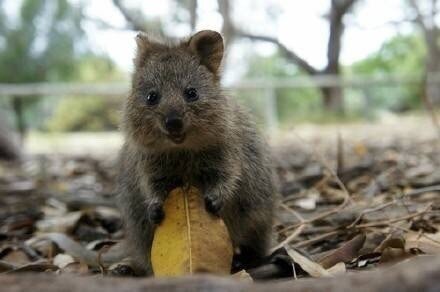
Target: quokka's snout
173,122
174,125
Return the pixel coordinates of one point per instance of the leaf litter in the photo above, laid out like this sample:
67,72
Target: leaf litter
346,206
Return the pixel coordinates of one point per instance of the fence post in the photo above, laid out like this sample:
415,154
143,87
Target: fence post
271,111
18,107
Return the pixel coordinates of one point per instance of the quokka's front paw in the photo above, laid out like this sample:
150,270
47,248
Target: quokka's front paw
156,213
213,203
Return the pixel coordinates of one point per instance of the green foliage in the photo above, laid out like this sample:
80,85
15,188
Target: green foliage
87,113
93,68
45,42
292,105
401,55
84,114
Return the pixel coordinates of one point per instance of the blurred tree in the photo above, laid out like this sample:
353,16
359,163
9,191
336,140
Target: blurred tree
292,105
190,7
425,14
90,113
185,12
332,96
45,42
86,113
41,43
401,55
9,149
136,20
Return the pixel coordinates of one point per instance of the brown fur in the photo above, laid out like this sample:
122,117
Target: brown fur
222,153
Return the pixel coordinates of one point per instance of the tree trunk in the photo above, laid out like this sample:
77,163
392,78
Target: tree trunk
9,148
426,20
333,99
432,76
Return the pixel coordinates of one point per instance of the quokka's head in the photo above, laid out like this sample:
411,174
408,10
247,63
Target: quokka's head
176,101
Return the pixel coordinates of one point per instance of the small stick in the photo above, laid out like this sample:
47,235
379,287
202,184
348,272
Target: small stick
296,232
415,192
421,234
391,221
292,236
296,214
316,239
340,165
371,210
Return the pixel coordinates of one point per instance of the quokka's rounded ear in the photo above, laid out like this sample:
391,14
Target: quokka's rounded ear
145,46
145,42
208,46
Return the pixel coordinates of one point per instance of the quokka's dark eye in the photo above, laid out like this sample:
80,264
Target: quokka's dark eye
152,98
191,94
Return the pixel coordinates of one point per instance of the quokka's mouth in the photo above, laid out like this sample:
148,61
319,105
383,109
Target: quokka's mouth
177,138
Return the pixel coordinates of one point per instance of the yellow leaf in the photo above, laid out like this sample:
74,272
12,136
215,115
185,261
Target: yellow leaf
360,149
190,240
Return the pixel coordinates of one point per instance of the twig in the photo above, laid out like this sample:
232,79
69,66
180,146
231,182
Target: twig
340,165
316,239
299,227
391,221
292,236
435,188
296,214
296,232
322,160
371,210
421,234
347,198
310,230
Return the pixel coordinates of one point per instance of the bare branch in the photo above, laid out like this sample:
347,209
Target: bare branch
288,53
134,22
193,14
103,24
419,16
343,6
224,7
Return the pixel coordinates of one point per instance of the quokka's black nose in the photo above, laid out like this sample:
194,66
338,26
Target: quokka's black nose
174,124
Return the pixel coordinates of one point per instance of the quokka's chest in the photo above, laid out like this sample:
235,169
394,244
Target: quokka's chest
188,165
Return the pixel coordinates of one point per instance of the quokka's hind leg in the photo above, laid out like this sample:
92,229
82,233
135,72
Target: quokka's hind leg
253,247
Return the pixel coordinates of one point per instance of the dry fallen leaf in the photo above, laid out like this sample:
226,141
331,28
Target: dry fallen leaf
62,260
16,257
243,276
39,266
70,247
337,269
360,149
190,240
62,224
392,250
347,252
312,268
427,243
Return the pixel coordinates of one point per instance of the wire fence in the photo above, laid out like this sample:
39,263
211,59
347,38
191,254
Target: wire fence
275,102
